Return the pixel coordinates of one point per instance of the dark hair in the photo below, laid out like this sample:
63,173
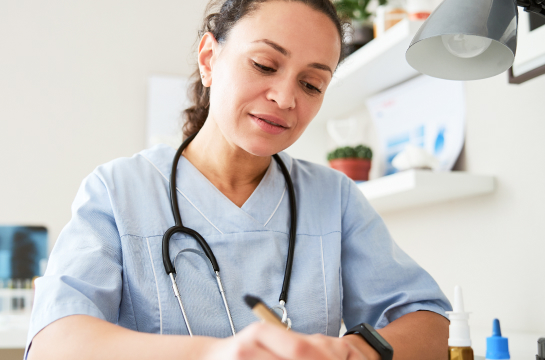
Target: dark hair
219,23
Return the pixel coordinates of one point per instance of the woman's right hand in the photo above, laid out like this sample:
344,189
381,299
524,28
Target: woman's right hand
267,342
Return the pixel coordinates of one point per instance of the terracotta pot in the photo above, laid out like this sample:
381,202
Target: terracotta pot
356,169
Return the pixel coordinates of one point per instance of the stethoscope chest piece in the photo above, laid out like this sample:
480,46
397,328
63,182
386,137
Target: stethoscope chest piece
282,309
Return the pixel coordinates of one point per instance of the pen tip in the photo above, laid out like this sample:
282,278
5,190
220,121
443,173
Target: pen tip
251,300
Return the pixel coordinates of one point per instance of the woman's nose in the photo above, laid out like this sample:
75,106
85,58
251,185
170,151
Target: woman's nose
283,94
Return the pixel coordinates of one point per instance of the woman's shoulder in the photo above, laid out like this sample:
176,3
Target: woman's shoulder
153,161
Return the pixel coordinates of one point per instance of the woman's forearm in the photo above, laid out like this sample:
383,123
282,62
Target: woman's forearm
419,335
86,337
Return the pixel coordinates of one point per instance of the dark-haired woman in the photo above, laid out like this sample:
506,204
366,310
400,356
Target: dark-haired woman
264,67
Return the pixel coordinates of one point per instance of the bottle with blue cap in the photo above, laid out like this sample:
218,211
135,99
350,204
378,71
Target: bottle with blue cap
497,347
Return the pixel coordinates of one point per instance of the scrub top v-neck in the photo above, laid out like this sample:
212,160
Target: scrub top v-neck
107,260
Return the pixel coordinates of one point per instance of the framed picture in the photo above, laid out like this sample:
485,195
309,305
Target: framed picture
530,59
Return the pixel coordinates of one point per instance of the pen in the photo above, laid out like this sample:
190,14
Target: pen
263,312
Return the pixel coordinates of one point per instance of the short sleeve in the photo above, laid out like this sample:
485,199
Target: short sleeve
380,281
84,273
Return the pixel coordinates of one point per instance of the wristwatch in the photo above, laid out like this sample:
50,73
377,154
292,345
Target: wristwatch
373,338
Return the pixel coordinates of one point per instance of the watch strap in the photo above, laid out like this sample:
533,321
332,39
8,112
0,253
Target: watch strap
374,339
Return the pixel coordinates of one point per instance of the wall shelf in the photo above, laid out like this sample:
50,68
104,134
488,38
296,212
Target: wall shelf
375,67
421,187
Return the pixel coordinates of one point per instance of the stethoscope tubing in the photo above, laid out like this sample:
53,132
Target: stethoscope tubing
293,230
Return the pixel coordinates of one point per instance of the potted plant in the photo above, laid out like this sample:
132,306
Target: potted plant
355,162
356,11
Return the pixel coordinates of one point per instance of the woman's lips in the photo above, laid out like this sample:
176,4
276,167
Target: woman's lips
272,119
268,125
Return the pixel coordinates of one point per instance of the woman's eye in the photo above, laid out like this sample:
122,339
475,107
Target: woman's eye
311,87
264,68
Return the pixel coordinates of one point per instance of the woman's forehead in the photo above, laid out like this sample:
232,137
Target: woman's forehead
296,27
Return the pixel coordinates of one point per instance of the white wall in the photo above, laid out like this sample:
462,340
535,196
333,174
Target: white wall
73,92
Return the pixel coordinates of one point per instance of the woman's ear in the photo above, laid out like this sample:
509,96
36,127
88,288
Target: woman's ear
208,48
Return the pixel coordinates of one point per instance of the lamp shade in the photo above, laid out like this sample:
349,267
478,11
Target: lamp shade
466,40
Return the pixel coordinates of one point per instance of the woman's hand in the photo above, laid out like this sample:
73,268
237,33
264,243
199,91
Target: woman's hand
267,342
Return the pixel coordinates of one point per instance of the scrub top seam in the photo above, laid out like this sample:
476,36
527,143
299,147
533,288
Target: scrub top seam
347,200
129,295
325,287
238,232
177,189
157,287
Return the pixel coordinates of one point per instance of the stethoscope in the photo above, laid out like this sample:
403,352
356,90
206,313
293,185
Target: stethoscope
180,228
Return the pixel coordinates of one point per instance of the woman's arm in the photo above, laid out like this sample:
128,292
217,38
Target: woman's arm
419,335
86,338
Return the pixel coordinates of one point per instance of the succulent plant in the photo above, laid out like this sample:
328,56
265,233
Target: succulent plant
358,152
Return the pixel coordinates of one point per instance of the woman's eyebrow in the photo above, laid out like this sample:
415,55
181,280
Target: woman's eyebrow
275,46
320,67
287,53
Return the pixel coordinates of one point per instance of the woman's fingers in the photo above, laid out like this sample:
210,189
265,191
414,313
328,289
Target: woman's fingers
294,346
241,347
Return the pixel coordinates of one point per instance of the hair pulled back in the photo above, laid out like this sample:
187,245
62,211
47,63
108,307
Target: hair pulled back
219,23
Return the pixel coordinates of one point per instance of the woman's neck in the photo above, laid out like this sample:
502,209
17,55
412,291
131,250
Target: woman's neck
232,170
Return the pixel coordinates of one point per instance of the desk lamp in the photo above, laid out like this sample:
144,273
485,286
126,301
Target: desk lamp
469,39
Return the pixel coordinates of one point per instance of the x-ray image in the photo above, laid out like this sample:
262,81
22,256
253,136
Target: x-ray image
23,251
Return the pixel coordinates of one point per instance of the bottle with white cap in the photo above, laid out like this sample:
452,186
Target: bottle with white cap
459,342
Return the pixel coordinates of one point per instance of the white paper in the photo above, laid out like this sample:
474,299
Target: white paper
167,98
425,112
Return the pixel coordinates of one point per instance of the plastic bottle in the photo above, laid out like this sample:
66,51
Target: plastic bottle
497,346
459,342
540,349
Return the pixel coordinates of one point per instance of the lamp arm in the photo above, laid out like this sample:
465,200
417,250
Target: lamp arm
535,6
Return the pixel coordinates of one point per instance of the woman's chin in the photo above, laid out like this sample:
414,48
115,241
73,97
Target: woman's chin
262,148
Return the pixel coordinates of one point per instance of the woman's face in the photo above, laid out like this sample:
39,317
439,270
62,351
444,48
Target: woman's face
268,79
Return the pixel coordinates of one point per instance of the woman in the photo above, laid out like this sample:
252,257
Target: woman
264,67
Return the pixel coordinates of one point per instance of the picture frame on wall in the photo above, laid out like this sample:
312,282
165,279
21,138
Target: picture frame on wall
530,58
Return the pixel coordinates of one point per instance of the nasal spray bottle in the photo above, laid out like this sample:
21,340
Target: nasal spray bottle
497,347
459,342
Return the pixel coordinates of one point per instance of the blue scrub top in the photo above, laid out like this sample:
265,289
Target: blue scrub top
107,261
